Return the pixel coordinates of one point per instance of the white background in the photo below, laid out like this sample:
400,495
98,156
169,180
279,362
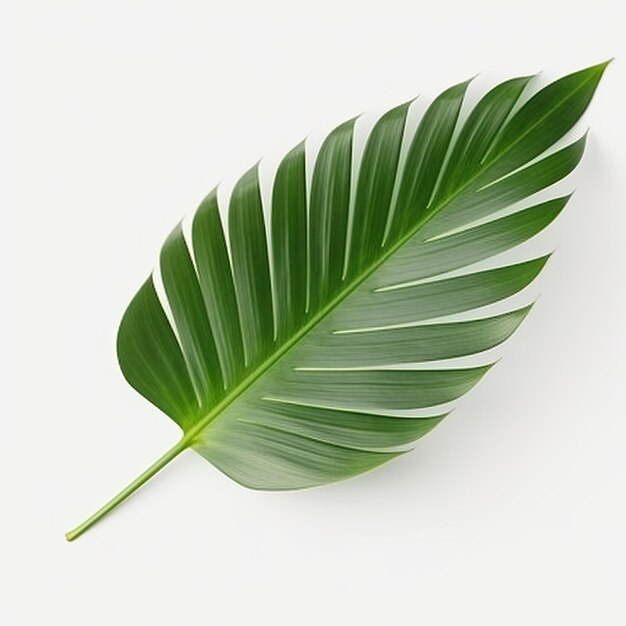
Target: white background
116,118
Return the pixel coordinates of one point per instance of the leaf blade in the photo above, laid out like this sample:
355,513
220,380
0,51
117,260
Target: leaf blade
251,272
457,173
216,283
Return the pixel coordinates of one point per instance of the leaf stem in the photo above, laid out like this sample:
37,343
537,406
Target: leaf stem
143,478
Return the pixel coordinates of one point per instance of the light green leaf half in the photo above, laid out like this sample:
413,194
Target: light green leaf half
290,350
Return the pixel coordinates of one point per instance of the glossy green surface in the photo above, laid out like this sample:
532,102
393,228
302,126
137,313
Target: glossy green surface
294,342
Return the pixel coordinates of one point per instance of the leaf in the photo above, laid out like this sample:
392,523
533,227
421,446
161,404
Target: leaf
285,349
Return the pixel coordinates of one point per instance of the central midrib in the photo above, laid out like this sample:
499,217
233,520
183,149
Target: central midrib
189,437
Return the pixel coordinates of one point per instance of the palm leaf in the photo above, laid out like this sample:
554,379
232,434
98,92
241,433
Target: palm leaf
286,363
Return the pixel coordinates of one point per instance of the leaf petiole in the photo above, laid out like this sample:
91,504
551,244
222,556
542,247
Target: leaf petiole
143,478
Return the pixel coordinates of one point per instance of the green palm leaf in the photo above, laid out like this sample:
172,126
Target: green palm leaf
286,363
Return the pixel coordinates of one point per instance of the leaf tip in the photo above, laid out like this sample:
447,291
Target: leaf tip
597,70
545,258
525,310
602,66
485,368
